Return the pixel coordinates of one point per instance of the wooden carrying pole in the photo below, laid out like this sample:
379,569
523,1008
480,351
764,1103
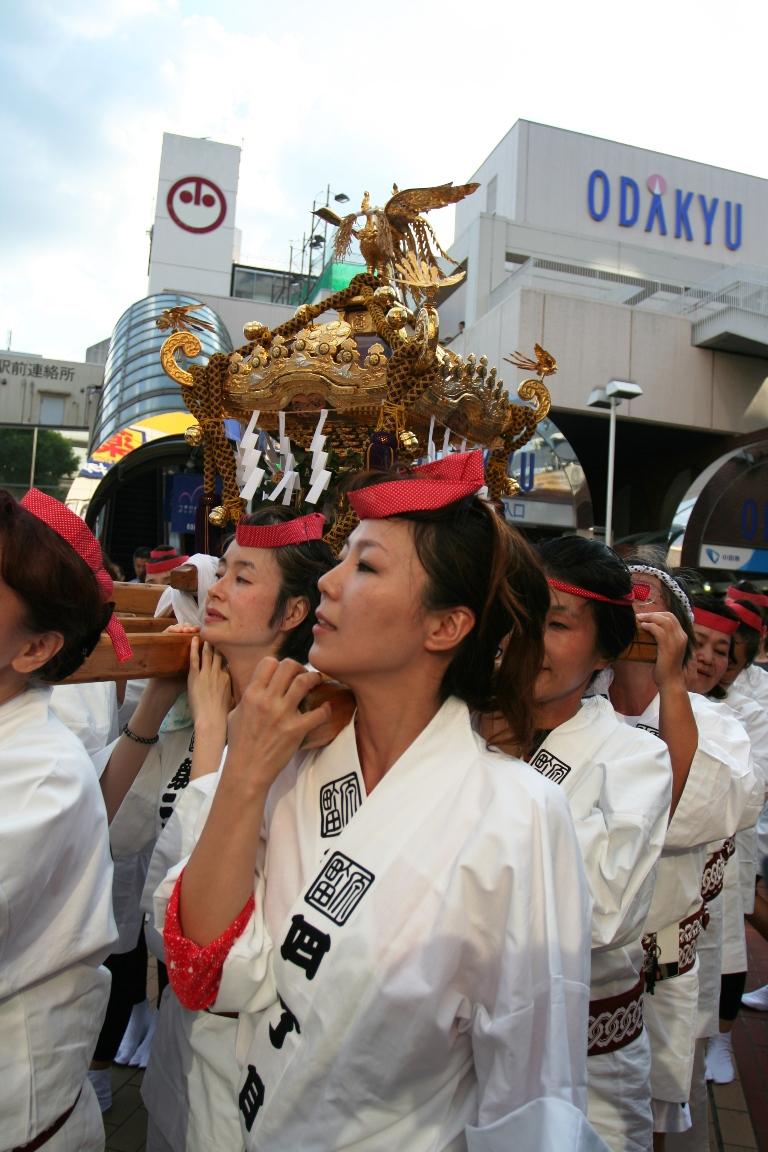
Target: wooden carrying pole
138,599
159,655
642,649
155,652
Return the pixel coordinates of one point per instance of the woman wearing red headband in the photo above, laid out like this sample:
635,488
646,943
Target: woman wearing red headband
751,679
751,607
716,626
713,788
262,603
401,918
56,921
618,782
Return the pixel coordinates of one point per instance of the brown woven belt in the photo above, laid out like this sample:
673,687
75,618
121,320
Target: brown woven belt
43,1137
615,1021
688,933
714,870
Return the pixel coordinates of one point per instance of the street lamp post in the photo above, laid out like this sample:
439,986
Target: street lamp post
315,239
310,243
610,397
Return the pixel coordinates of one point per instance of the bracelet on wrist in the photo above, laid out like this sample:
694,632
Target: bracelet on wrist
139,739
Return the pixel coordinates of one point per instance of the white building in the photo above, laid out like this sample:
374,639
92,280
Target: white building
630,265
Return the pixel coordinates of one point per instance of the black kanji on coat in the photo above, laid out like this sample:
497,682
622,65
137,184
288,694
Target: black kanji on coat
550,766
176,784
287,1023
305,946
251,1097
339,800
339,888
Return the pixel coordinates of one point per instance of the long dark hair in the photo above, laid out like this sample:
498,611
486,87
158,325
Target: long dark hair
472,558
301,566
57,588
592,565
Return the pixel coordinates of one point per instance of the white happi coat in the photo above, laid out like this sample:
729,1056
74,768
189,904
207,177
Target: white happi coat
418,959
754,682
56,922
618,782
138,821
721,795
191,1082
738,897
149,802
754,717
88,710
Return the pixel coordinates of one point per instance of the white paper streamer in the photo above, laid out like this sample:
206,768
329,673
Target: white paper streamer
249,475
320,477
431,453
284,442
318,430
319,484
254,481
287,482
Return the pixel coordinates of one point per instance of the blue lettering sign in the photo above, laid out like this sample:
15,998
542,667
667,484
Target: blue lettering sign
656,212
682,222
708,211
749,519
628,189
732,242
605,194
630,207
527,470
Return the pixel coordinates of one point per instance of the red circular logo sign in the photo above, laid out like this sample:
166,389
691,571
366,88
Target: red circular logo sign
656,184
196,204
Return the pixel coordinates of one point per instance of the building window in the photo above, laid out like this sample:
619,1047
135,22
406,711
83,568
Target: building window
271,286
490,196
52,410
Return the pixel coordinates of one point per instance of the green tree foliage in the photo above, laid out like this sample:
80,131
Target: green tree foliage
56,460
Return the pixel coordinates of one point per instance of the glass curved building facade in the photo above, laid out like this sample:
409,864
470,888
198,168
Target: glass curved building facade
135,385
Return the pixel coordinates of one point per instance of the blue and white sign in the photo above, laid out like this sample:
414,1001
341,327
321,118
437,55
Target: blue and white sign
682,213
736,559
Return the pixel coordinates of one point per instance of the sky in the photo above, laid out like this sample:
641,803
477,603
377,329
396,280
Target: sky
352,95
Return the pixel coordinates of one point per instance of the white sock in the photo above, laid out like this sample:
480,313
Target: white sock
101,1079
134,1033
140,1058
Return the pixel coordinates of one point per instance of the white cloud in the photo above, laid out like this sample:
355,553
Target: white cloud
417,92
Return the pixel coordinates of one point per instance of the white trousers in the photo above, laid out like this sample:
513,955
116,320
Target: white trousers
84,1130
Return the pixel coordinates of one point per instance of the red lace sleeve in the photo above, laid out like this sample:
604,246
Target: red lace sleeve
193,970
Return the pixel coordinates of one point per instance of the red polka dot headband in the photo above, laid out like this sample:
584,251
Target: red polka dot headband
297,531
78,535
639,592
423,489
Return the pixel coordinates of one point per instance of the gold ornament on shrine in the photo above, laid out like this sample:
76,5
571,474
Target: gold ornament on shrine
369,357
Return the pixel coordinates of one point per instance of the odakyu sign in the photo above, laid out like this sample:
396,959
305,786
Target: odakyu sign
656,208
